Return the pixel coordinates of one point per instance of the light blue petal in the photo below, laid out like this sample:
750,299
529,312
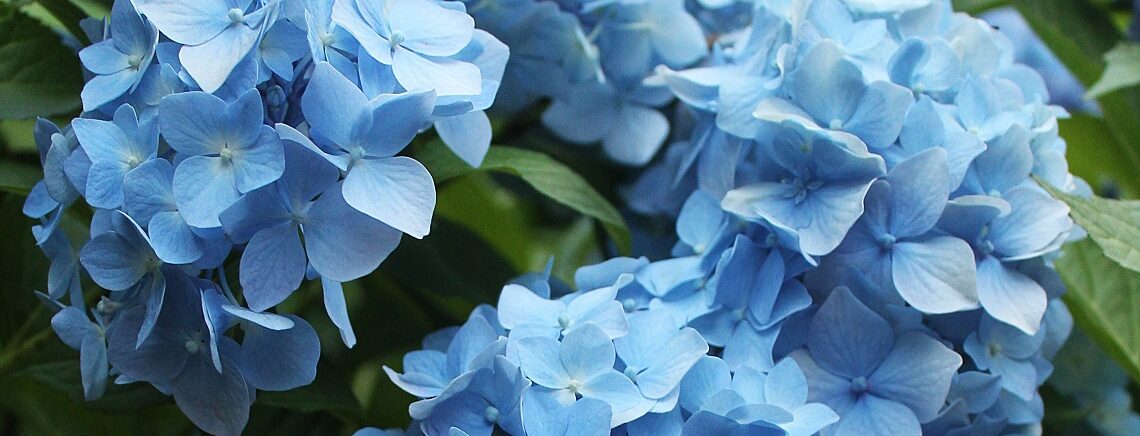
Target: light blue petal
920,187
216,403
1010,296
93,366
265,367
917,374
936,275
113,262
638,134
398,191
187,22
540,361
586,352
874,415
335,250
338,309
468,135
519,306
272,266
147,190
211,63
333,105
260,163
840,319
444,75
203,188
173,240
192,122
396,119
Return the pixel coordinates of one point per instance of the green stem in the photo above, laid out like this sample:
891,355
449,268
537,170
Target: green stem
11,356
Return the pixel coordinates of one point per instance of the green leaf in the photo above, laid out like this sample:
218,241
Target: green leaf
450,261
547,176
39,76
329,392
18,178
1122,70
1105,301
1088,145
1113,224
1080,40
974,7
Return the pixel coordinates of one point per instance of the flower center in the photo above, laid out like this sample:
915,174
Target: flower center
628,305
632,373
859,384
993,349
134,61
801,187
133,161
887,241
328,39
574,386
397,38
986,247
491,414
226,154
564,321
193,343
835,124
236,16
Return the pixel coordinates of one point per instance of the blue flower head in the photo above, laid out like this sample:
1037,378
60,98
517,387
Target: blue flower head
121,61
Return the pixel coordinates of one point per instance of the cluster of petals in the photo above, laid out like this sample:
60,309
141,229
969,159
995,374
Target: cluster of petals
249,136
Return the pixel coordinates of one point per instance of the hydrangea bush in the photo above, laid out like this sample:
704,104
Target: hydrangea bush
860,245
862,233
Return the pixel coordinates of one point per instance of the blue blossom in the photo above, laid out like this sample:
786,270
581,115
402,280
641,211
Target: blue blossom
656,355
636,36
121,61
114,148
894,245
228,149
305,200
216,35
89,337
416,38
527,314
122,259
1010,353
887,385
177,358
581,364
813,187
361,137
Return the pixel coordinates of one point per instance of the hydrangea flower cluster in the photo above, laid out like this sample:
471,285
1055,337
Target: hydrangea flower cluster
261,135
860,242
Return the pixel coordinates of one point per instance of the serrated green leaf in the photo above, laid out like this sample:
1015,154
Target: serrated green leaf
1122,69
1105,301
547,176
39,76
1113,224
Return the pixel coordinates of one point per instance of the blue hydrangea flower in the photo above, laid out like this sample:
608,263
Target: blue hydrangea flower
813,187
114,148
229,151
887,385
121,61
89,337
581,364
216,35
361,137
416,38
305,200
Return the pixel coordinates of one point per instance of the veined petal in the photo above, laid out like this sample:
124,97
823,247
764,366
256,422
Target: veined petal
398,191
